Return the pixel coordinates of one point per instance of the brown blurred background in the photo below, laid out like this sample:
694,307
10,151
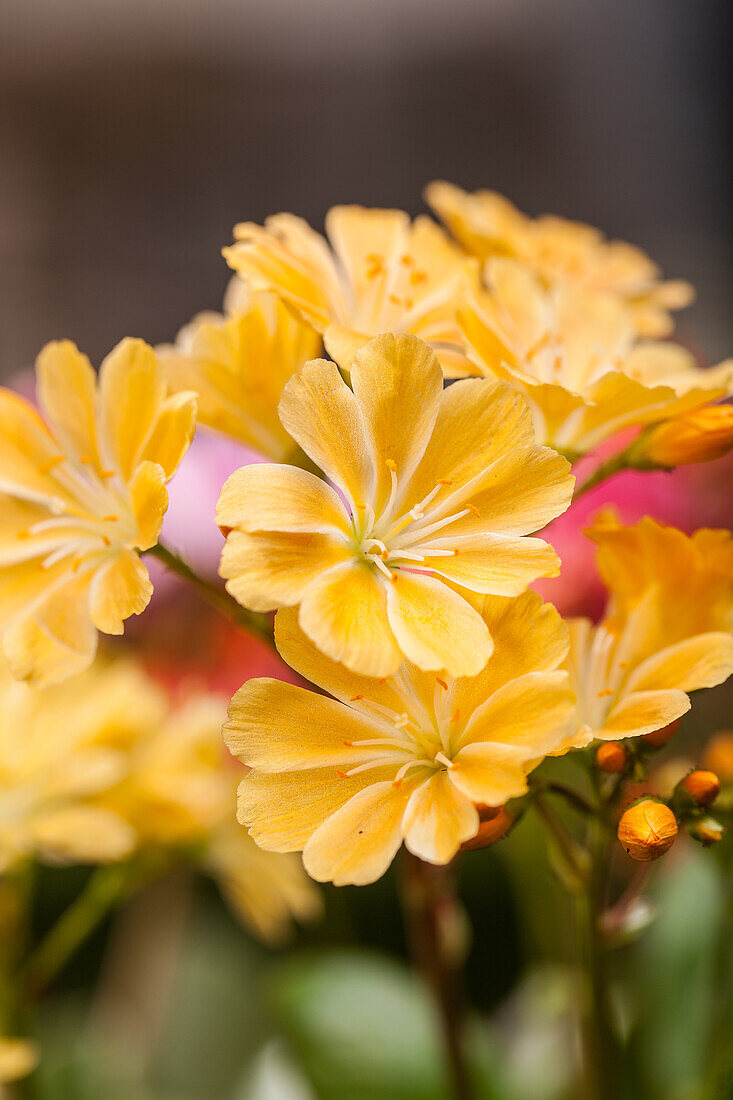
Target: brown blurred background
133,135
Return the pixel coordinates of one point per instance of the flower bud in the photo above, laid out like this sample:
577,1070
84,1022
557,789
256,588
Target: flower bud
702,786
612,757
707,830
719,756
490,830
647,830
658,738
699,436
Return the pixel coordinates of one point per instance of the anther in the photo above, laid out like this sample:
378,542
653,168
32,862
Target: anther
106,541
48,465
418,277
442,683
110,519
474,511
606,691
355,698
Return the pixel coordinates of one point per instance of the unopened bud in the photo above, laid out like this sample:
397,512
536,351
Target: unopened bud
658,738
719,756
699,436
647,830
707,830
702,786
490,830
611,757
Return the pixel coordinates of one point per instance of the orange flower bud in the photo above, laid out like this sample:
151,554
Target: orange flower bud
708,831
489,831
702,786
647,830
698,436
658,738
611,757
719,756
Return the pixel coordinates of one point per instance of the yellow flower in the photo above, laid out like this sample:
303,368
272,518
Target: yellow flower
18,1058
700,436
438,489
573,356
377,273
668,629
80,495
407,757
59,750
237,364
562,253
178,790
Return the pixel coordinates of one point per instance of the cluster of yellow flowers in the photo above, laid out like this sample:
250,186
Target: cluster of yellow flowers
397,546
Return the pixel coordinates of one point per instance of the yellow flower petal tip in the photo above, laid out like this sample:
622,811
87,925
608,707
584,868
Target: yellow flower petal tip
82,491
413,758
377,272
700,436
437,491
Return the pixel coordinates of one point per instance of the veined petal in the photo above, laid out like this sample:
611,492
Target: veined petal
530,712
699,662
490,773
434,627
268,497
274,726
437,819
172,432
118,590
342,344
344,611
132,390
28,453
149,499
398,384
643,712
494,564
477,422
321,413
264,571
67,393
283,810
357,843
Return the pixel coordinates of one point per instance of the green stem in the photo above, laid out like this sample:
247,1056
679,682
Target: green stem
105,888
215,596
574,798
436,934
607,469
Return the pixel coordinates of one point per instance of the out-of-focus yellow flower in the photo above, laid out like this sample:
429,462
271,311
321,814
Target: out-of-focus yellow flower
699,436
378,272
60,749
438,489
408,757
647,830
80,495
562,253
668,628
237,364
573,355
178,790
18,1058
718,755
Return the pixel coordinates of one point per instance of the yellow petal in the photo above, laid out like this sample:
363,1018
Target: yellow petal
132,389
83,834
266,571
494,564
149,498
265,497
274,726
490,773
28,452
478,421
172,432
437,819
54,637
119,589
357,843
67,393
18,1058
398,384
344,611
342,344
321,413
643,712
699,662
435,628
283,810
530,713
358,234
523,310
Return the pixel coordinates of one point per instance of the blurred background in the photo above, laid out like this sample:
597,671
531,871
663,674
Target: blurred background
132,137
